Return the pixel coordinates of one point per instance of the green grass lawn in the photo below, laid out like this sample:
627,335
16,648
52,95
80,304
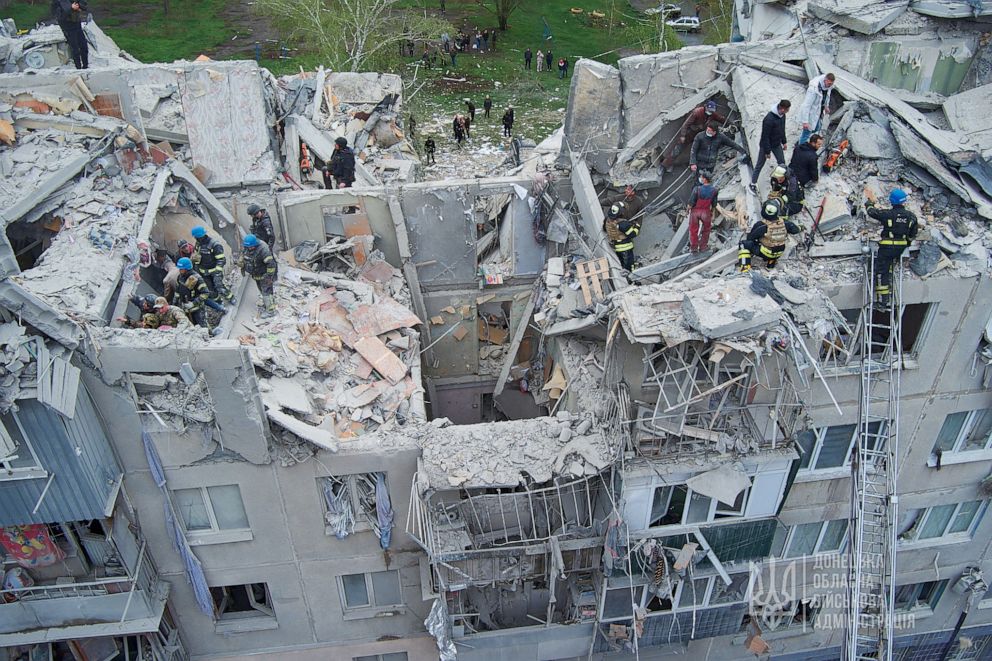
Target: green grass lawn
143,29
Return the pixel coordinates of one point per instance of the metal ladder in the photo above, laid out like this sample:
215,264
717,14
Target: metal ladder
874,499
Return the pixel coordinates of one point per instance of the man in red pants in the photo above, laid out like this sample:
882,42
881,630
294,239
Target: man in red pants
701,203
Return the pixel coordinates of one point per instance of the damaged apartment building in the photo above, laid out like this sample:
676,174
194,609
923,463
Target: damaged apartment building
467,433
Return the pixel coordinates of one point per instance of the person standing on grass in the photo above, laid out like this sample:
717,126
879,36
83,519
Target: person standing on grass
508,122
561,68
492,39
443,8
528,56
69,15
540,59
471,109
549,58
487,105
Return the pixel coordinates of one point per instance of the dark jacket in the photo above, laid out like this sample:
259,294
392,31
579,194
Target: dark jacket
343,165
63,12
898,223
705,149
772,131
487,104
259,262
508,118
528,55
804,164
695,122
261,226
211,257
430,146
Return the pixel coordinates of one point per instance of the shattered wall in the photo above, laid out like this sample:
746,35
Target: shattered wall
592,121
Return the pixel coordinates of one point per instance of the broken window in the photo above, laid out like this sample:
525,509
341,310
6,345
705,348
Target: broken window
688,594
349,503
675,505
211,510
493,237
18,459
914,596
29,241
234,602
380,589
956,519
912,325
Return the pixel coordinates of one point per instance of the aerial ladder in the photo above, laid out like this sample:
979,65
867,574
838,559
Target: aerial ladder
874,499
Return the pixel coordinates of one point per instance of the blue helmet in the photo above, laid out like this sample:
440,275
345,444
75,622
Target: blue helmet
198,232
250,241
710,106
185,264
897,196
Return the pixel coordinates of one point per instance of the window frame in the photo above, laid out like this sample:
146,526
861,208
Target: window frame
216,534
365,519
966,427
939,588
716,510
9,472
371,609
817,546
645,596
382,656
821,433
258,609
924,513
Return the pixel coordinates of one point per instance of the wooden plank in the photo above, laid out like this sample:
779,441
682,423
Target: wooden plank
518,337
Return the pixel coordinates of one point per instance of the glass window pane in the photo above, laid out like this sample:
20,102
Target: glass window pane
936,523
23,450
949,431
228,508
659,504
386,588
192,509
394,656
834,447
778,541
618,601
833,537
366,658
807,442
803,540
964,517
699,508
906,596
355,593
727,594
693,592
978,435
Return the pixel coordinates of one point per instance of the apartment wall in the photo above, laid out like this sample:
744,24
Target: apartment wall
287,549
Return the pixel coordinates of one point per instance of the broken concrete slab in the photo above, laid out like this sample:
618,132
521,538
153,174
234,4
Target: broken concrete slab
729,308
969,112
872,141
592,123
864,17
320,437
381,358
838,249
654,83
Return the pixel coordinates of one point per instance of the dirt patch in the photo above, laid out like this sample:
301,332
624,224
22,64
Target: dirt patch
249,28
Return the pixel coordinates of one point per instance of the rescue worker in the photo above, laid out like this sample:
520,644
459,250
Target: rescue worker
786,186
210,263
706,148
145,305
767,236
621,232
632,203
193,292
701,203
343,163
694,124
261,225
170,316
899,228
258,262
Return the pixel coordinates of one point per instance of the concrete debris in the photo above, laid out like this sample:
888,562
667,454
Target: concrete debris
866,18
729,308
869,140
18,368
511,453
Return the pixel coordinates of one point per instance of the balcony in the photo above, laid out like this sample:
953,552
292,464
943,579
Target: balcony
91,603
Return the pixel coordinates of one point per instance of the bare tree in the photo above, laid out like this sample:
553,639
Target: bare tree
351,34
502,9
